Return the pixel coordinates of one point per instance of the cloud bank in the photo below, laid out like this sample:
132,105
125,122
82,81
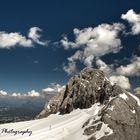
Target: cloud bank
9,40
119,80
132,69
137,90
90,44
3,93
52,89
134,20
55,88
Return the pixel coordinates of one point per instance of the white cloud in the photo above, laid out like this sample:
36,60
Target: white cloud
16,94
3,93
132,69
33,93
55,88
137,90
88,61
36,62
97,41
70,68
61,88
67,44
9,40
35,36
92,43
122,81
108,69
100,40
48,90
134,20
76,56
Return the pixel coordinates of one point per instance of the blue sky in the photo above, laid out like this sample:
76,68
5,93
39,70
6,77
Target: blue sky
34,61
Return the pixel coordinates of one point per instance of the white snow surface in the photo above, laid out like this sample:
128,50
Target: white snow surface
111,108
54,127
104,129
133,111
123,96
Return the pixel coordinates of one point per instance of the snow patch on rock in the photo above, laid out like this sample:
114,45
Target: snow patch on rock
111,108
123,96
133,111
104,131
136,98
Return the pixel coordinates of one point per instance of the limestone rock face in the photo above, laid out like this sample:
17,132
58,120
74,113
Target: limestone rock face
119,114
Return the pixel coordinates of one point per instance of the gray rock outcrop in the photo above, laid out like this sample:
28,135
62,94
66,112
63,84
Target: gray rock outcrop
119,116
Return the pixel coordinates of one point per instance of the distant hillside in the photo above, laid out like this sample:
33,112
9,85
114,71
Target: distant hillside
21,108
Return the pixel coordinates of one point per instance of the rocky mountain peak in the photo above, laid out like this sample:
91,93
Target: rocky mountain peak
118,114
82,91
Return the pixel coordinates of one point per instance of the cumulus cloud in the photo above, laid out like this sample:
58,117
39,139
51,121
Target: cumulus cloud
108,69
55,88
76,56
137,90
134,20
48,90
71,68
3,93
67,44
16,94
35,36
9,40
122,81
92,43
33,93
132,69
61,88
97,41
100,40
88,61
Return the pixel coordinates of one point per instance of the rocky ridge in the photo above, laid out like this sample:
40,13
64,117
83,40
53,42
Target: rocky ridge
118,113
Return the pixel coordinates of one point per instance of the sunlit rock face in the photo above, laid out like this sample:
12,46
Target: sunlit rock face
118,112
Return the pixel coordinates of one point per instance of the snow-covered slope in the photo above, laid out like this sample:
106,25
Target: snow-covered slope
54,127
107,112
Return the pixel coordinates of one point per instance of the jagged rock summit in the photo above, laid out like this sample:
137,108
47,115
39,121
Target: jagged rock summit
116,113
